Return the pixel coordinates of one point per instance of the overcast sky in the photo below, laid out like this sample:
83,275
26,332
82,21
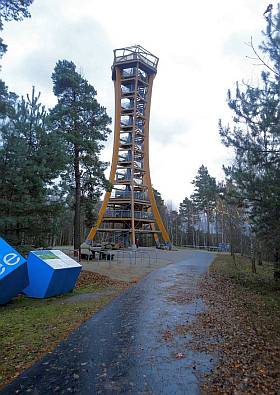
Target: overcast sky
202,50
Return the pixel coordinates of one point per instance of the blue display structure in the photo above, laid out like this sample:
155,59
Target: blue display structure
13,272
51,273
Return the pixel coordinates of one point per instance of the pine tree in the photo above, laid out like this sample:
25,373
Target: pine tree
30,160
7,103
205,196
255,137
82,124
187,215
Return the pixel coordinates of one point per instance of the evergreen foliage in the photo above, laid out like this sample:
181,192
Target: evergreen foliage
7,103
30,160
188,216
205,195
82,124
255,137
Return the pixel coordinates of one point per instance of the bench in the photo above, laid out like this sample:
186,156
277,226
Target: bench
106,255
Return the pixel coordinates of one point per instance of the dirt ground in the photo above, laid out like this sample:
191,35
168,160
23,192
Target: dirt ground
132,266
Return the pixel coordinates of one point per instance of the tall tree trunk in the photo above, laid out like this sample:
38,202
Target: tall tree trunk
216,228
260,262
77,215
18,233
241,244
253,257
231,235
193,237
181,238
208,230
276,265
253,262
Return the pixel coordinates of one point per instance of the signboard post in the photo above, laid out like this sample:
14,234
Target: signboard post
13,272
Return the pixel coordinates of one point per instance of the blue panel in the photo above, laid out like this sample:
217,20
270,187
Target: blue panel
13,272
39,275
51,273
63,281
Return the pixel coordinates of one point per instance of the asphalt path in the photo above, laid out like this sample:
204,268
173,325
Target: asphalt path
122,349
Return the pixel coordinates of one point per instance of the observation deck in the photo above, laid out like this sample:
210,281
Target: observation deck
130,56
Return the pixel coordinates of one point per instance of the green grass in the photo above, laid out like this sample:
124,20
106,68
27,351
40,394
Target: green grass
240,272
30,328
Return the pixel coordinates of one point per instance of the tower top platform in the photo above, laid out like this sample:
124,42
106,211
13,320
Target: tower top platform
130,56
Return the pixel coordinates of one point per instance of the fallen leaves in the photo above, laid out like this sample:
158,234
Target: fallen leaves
179,294
183,296
179,355
167,335
243,330
88,278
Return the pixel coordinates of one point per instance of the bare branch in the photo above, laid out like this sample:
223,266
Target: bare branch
261,60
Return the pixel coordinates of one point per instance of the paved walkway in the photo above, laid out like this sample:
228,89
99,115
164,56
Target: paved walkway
123,348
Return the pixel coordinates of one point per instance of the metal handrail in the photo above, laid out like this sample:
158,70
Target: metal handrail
122,178
126,141
127,108
136,256
125,158
125,89
127,214
118,213
135,53
127,194
129,123
132,73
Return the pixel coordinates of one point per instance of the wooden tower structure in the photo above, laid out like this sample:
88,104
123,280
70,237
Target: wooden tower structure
130,209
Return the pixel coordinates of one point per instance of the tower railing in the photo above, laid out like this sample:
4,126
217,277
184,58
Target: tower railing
127,195
135,56
134,53
127,214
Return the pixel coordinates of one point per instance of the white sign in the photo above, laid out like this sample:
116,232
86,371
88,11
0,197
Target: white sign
56,259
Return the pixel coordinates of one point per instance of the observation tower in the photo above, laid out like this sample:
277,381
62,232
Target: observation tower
129,209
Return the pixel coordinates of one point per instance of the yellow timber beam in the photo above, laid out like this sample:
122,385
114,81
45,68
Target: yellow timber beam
147,175
117,86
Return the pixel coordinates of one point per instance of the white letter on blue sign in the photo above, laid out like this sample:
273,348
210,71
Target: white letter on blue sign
2,271
11,259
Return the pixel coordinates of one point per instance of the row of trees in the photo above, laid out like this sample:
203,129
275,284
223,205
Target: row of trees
51,173
209,217
244,211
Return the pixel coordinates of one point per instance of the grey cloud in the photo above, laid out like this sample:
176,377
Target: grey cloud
71,41
236,44
166,130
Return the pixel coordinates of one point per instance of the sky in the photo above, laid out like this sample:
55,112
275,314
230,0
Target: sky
202,48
